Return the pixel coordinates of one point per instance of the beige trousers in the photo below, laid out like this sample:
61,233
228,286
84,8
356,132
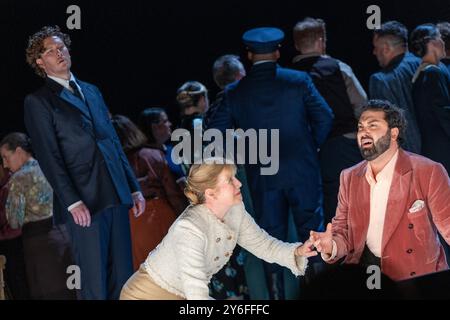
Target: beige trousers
142,287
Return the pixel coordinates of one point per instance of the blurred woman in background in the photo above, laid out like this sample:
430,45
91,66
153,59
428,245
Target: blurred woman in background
156,126
30,206
192,99
431,97
431,94
164,199
11,247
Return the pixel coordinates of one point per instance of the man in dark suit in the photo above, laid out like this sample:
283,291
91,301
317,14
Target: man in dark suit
270,97
444,29
81,157
394,81
340,88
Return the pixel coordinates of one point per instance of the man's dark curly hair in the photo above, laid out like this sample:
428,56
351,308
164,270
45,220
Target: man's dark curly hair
36,45
394,116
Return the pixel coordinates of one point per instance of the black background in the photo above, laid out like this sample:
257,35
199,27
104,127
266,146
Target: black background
138,52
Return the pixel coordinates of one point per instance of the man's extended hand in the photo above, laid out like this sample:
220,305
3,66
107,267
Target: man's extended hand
139,204
323,241
81,215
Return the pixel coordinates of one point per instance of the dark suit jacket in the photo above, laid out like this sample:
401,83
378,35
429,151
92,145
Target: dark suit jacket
78,149
393,83
270,97
327,77
431,96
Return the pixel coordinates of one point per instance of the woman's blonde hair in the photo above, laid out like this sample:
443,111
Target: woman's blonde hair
204,176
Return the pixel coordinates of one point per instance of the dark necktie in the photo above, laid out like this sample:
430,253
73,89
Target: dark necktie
75,89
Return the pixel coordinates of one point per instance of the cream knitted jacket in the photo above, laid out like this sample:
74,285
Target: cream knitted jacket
198,245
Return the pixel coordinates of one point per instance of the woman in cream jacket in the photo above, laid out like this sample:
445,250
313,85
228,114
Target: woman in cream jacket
201,240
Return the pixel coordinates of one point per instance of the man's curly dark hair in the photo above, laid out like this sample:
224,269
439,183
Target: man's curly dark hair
36,45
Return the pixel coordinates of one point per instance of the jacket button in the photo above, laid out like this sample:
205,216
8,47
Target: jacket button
410,226
409,251
216,258
412,274
352,251
230,237
218,239
227,254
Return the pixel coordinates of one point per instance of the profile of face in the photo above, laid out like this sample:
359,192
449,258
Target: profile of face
162,130
12,160
55,59
437,47
374,135
321,45
227,191
381,50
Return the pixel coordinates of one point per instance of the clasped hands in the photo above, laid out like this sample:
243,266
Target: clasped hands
318,242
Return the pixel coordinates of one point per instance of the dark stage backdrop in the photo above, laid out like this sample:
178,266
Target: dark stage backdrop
140,51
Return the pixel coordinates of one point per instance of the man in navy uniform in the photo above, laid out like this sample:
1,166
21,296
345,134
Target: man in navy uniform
394,81
271,97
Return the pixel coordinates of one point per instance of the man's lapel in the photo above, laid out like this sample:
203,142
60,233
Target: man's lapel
76,102
90,96
67,96
398,196
86,119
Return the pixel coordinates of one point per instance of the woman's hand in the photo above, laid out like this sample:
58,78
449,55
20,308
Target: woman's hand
306,250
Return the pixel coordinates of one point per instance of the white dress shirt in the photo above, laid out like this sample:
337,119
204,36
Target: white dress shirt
379,195
65,83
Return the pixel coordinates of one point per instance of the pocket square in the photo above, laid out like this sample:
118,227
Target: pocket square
417,206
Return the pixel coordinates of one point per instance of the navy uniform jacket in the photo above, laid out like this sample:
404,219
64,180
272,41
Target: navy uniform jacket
271,97
431,96
78,149
393,83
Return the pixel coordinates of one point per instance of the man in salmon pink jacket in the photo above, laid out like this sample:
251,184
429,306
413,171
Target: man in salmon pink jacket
391,206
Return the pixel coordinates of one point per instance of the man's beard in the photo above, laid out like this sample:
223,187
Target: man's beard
378,148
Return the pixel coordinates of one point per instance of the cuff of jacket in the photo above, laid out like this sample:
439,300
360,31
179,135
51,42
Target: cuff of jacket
137,193
297,264
328,258
74,205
